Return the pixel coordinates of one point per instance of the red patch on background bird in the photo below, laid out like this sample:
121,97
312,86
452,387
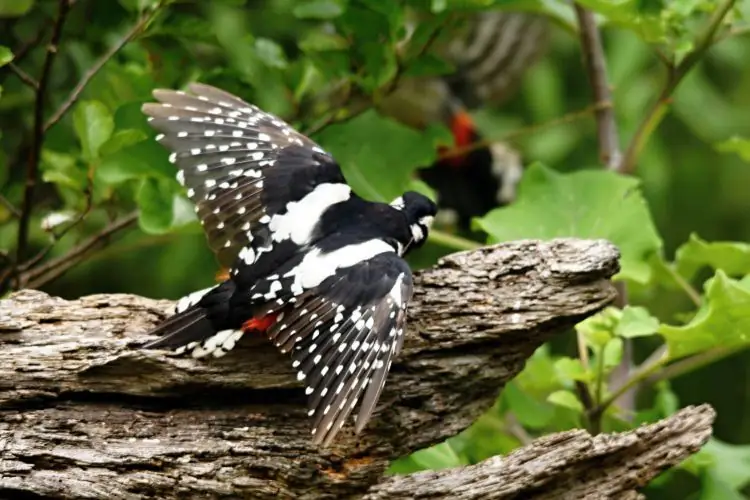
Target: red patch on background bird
259,324
462,128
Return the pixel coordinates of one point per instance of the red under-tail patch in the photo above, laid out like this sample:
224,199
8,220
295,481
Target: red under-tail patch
463,130
260,324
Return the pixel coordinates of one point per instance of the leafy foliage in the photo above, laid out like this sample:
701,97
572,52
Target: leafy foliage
586,204
326,66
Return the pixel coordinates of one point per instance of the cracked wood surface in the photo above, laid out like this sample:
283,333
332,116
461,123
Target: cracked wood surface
85,414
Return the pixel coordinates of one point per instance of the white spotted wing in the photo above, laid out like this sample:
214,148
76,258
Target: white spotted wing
343,335
242,167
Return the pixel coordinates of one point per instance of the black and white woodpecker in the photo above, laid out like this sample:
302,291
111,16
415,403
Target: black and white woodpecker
491,54
312,266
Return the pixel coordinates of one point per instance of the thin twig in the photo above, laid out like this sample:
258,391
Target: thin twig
675,75
93,70
689,364
596,68
32,168
366,103
531,129
55,268
9,207
56,237
21,52
23,76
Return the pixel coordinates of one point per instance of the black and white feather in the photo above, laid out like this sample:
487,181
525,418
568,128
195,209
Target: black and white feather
343,337
254,180
324,265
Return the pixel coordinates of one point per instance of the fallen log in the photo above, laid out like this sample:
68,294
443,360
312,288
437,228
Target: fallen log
84,414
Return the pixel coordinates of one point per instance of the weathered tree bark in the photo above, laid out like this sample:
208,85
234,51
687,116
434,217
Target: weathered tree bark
85,414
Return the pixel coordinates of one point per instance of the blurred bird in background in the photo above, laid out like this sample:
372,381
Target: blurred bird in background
490,52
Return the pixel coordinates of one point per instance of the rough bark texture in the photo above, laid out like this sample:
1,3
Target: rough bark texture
567,465
85,414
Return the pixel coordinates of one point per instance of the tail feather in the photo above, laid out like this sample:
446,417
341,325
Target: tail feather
199,324
182,329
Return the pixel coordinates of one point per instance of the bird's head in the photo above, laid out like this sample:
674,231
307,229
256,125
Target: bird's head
419,211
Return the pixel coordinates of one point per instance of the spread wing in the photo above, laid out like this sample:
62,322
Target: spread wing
248,172
343,335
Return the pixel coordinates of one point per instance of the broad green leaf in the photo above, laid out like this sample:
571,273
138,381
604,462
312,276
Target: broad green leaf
597,330
730,462
724,320
714,487
738,145
531,412
94,125
378,155
143,159
666,401
585,204
61,169
155,202
731,257
565,399
428,65
121,139
438,457
270,53
612,353
15,8
379,65
6,56
570,369
636,322
318,9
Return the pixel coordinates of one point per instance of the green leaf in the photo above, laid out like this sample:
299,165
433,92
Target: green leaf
438,457
270,53
61,169
714,487
597,330
565,399
428,65
636,322
155,200
730,462
6,56
372,169
612,353
731,257
570,369
318,9
121,139
15,8
379,65
724,320
531,412
738,145
135,161
94,125
584,204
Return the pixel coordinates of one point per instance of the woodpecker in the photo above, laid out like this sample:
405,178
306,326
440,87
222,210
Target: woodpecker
312,266
490,55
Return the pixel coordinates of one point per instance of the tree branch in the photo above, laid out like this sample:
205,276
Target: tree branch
569,465
98,65
32,168
85,414
596,68
37,277
675,75
23,76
